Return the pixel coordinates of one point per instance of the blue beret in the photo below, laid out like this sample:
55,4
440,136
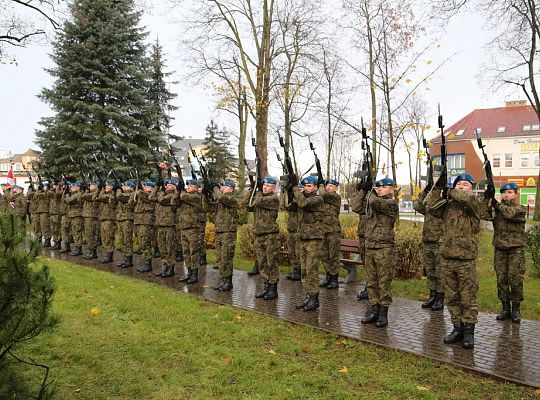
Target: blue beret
129,183
509,186
192,182
229,183
384,182
74,183
310,179
92,182
109,183
332,182
464,177
149,183
45,183
171,181
271,180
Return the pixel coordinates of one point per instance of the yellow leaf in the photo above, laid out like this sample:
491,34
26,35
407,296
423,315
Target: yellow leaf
271,351
344,370
423,387
429,62
153,297
537,391
94,311
408,81
237,317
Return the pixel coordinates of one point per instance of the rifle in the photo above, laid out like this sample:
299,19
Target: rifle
207,185
317,164
193,174
429,163
250,175
289,170
487,163
443,146
369,154
258,179
160,183
181,184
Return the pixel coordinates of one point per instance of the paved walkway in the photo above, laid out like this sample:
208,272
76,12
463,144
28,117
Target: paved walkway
502,349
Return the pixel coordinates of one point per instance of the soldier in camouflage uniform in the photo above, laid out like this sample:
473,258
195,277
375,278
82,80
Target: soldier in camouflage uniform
310,238
42,214
144,223
107,219
292,235
65,221
90,216
508,218
332,233
75,204
124,217
201,218
460,211
17,203
358,206
4,204
191,204
265,208
431,237
226,217
165,219
55,201
381,214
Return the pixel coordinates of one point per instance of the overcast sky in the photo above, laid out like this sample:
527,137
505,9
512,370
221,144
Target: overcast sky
455,86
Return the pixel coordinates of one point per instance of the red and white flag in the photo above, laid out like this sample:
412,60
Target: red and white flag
10,177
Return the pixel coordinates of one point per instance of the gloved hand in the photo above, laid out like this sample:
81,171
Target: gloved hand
359,185
367,186
441,182
489,193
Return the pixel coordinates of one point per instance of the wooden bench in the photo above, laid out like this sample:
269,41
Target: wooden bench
350,258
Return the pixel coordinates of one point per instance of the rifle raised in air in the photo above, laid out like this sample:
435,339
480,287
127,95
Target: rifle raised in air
487,163
317,164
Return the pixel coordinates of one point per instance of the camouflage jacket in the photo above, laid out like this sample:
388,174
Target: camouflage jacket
124,206
292,212
265,212
226,211
381,215
433,227
55,201
107,206
64,207
17,203
30,198
310,210
165,212
460,214
358,205
3,202
331,209
144,209
75,204
41,202
90,204
190,206
508,223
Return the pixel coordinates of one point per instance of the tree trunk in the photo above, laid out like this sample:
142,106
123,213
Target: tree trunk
242,121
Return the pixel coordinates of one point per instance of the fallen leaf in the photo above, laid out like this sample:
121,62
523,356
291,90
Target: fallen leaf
94,311
226,360
153,297
537,391
271,351
217,315
237,317
77,390
423,387
344,370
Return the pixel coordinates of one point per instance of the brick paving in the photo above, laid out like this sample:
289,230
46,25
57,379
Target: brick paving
502,349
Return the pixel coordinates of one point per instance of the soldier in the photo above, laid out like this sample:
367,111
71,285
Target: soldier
201,218
358,206
42,214
459,210
34,216
90,215
17,203
265,208
292,234
75,204
310,238
508,218
191,204
107,218
65,230
144,223
55,203
124,218
332,233
381,214
431,237
4,203
165,222
226,217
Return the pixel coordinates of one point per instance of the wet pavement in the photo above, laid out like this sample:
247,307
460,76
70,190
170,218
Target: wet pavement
502,349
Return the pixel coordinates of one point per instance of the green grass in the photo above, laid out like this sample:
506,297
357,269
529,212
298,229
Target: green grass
152,342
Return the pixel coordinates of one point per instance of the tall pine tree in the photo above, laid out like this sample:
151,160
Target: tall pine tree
100,95
218,157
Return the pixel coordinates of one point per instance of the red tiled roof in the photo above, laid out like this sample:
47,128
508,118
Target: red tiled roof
490,120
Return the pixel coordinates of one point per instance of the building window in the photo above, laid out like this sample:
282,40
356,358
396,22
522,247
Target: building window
536,160
526,128
501,129
460,132
508,160
456,161
496,160
524,160
535,127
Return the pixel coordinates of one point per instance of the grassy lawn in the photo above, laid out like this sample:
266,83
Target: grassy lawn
151,342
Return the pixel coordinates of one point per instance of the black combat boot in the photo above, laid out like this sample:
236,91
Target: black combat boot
65,247
255,270
179,256
439,302
505,313
372,314
75,251
516,315
162,271
121,263
221,283
91,255
202,259
295,276
263,292
157,254
128,262
186,277
334,282
194,277
382,321
56,245
363,295
429,303
47,243
169,272
455,336
146,267
272,292
107,259
313,302
325,281
227,284
468,336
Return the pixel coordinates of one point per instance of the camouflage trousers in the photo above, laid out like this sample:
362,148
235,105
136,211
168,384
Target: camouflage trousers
66,229
108,231
77,226
362,248
432,266
166,238
145,235
90,232
380,266
202,235
125,230
191,247
292,249
460,287
509,266
225,244
310,259
267,252
330,252
36,225
45,222
55,227
179,240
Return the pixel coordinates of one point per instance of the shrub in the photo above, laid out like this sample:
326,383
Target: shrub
408,251
246,238
532,239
